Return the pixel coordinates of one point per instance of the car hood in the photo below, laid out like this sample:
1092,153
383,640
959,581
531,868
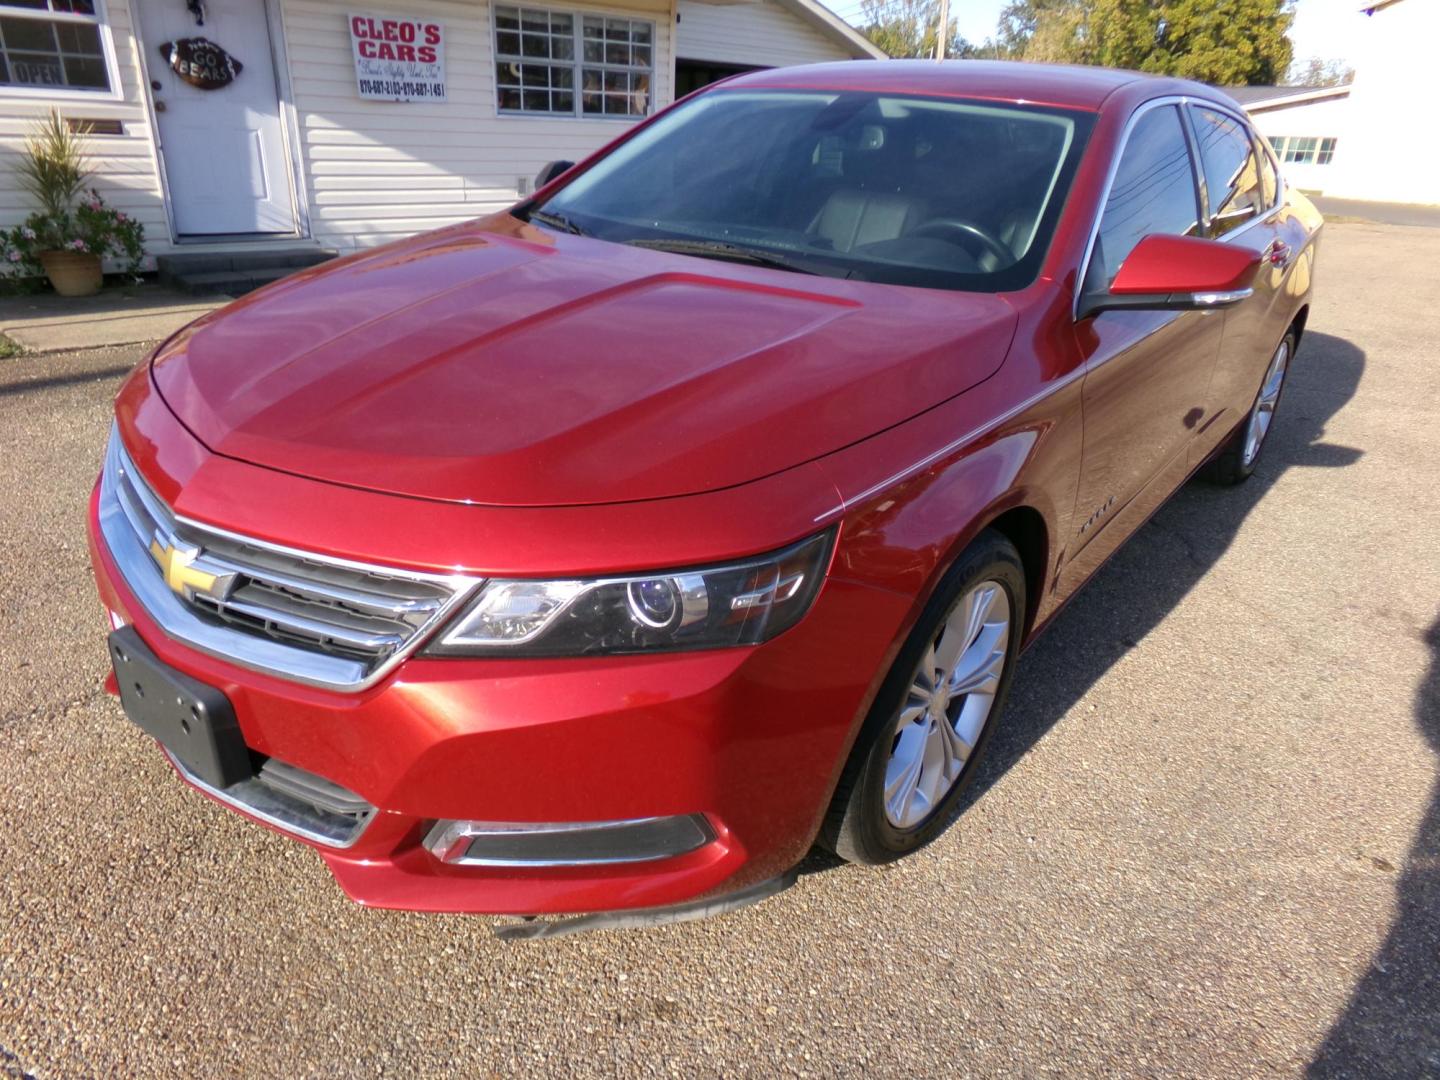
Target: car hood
498,363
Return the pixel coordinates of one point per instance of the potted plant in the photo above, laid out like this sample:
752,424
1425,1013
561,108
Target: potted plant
74,229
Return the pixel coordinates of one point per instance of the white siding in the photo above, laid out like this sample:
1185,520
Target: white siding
377,171
126,173
1327,119
762,33
1390,151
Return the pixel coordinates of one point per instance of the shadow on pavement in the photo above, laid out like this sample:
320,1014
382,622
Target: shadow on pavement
51,382
1159,565
1162,562
1392,1025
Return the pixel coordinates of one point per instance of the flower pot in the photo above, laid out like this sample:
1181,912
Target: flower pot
73,273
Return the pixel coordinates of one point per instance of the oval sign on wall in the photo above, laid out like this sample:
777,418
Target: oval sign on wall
201,63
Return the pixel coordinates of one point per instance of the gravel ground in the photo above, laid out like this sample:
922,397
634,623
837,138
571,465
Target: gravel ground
1207,841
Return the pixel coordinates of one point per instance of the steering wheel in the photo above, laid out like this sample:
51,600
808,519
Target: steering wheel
959,231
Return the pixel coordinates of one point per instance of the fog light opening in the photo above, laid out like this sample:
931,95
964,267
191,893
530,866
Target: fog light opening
491,843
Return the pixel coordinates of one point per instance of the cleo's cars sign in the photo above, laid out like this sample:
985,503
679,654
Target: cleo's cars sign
398,59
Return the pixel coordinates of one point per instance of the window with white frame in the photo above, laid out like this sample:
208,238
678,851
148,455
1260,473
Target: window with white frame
52,45
1304,149
560,63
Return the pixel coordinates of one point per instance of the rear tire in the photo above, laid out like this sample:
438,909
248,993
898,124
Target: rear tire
1235,462
932,720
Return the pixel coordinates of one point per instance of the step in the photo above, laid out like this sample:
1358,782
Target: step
228,282
210,262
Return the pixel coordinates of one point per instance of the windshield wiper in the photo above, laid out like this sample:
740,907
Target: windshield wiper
556,221
715,249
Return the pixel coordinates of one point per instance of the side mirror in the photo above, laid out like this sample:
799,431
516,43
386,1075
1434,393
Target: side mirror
550,170
1177,273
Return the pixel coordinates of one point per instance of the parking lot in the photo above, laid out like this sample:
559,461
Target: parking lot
1206,842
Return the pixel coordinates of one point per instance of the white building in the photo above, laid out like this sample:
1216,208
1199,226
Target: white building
238,125
1366,140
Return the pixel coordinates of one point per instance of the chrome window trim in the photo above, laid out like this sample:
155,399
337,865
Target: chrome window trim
1197,165
268,656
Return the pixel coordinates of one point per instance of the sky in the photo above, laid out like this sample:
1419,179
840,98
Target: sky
1322,27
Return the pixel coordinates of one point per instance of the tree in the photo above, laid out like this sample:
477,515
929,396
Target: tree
1318,72
908,28
1228,42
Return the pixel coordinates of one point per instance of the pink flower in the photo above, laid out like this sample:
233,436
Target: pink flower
29,234
119,216
95,204
78,245
14,256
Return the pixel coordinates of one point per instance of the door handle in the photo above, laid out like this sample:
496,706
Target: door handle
1278,254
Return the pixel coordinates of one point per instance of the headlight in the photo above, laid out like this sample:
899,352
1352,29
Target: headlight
739,604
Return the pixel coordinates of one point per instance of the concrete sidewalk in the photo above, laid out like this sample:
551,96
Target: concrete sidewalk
1381,213
118,315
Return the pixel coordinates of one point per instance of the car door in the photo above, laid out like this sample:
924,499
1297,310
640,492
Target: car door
1147,372
1244,206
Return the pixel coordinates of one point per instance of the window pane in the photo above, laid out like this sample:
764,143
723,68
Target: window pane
36,69
86,72
1153,192
1231,172
28,34
545,41
81,38
34,52
35,4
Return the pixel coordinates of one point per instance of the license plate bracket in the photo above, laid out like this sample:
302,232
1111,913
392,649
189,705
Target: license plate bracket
192,720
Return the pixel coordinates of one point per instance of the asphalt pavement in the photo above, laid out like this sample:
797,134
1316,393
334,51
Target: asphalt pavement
1206,842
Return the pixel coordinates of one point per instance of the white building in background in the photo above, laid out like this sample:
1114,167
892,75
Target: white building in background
1370,139
250,125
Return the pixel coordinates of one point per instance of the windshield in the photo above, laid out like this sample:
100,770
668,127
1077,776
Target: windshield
879,187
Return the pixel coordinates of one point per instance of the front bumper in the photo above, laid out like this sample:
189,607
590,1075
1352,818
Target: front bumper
750,738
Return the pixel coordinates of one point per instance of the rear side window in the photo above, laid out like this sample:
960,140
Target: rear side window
1232,175
1269,177
1153,192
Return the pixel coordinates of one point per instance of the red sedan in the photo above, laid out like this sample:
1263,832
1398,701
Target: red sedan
610,552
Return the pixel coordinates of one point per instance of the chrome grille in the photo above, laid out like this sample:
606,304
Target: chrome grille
324,621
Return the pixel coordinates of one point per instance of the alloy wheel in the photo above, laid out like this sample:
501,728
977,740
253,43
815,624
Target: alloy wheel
948,703
1263,413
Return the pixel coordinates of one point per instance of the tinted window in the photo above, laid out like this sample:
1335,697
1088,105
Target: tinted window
882,187
1153,192
1231,173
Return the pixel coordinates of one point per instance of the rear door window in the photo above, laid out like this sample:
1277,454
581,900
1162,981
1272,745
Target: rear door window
1269,175
1153,192
1232,173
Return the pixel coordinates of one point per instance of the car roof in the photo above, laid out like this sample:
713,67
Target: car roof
1066,86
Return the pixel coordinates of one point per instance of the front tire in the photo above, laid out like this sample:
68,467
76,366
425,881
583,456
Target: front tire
933,717
1235,462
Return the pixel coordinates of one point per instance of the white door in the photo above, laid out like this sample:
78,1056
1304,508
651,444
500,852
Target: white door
224,149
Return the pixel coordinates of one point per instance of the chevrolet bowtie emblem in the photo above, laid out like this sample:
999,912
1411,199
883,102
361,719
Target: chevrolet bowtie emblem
182,576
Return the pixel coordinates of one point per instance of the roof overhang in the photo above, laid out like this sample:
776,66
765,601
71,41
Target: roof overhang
1304,97
827,22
